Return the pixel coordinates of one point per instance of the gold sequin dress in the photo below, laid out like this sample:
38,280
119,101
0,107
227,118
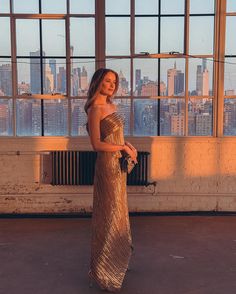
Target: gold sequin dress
111,238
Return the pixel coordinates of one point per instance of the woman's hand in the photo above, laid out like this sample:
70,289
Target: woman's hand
131,147
132,153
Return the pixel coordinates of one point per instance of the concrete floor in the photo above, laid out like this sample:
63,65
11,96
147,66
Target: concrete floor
173,255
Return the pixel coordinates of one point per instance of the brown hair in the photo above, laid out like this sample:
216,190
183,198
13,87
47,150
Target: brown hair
95,86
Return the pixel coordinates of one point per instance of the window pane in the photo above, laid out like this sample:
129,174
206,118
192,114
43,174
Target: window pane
172,34
172,77
117,7
231,6
82,36
230,76
146,77
145,117
146,34
172,7
5,78
54,76
200,77
29,76
200,117
230,44
26,6
202,6
122,67
82,6
146,7
55,117
5,44
28,116
79,118
6,117
123,108
201,35
54,41
24,29
230,117
82,72
4,6
48,6
118,36
172,117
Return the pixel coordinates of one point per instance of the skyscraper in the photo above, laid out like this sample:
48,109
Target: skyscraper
35,72
5,80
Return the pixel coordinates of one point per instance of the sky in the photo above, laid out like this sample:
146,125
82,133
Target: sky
118,32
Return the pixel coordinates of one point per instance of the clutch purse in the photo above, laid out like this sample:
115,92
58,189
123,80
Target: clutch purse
127,164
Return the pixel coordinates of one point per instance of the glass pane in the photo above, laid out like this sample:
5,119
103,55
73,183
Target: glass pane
122,67
231,6
118,36
173,77
202,6
230,117
24,29
172,34
172,7
5,78
5,44
145,117
82,36
146,77
146,34
230,76
6,117
201,35
146,7
28,117
230,44
200,117
4,6
82,6
26,6
79,118
29,75
117,7
172,117
200,77
82,72
54,41
55,117
48,6
54,76
123,108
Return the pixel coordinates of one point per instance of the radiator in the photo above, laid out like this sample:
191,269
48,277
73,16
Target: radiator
77,168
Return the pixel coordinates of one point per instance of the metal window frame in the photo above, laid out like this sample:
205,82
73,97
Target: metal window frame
99,16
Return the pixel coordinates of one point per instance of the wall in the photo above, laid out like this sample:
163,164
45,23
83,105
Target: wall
191,174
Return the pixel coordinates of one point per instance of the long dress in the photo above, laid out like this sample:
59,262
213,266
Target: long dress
111,246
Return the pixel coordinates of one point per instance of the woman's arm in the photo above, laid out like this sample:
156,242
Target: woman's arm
94,118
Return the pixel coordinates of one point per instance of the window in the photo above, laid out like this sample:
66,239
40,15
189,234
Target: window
164,51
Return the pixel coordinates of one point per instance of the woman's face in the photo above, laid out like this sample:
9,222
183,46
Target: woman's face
108,84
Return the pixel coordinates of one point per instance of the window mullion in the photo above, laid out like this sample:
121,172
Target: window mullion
186,52
219,55
14,67
100,33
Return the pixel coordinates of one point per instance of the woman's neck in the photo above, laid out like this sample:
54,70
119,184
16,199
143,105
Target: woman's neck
101,100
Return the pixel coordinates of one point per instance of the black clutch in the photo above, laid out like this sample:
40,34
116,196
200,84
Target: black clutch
127,164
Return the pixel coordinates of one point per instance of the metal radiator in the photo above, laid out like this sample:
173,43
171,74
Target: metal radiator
77,168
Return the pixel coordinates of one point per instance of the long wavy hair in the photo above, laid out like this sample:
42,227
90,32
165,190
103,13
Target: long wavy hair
95,86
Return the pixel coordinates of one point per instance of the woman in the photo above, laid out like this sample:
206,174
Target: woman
111,239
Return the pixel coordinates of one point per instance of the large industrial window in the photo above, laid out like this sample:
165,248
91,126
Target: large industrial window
166,54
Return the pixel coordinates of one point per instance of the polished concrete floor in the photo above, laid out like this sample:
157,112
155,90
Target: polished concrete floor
173,255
